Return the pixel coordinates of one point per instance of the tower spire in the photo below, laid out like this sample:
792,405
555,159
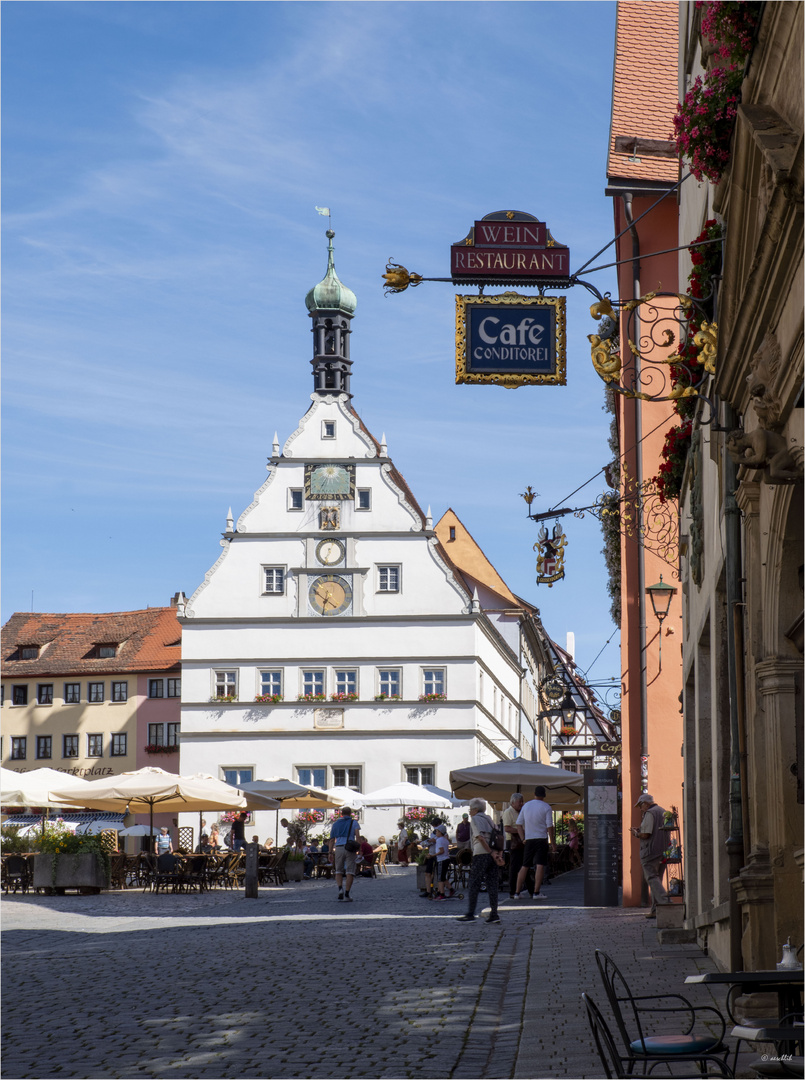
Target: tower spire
331,305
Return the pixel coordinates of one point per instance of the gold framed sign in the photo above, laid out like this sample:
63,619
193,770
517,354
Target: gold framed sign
511,340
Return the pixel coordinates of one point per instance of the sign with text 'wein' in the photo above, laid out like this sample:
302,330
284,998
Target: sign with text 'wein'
509,247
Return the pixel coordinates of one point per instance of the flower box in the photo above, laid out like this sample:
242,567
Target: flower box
388,697
269,699
85,872
433,697
568,731
158,748
227,698
343,697
311,697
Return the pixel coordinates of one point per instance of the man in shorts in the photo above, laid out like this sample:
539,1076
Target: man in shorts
344,830
535,823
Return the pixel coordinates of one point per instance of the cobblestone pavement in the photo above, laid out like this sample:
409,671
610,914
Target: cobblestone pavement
294,984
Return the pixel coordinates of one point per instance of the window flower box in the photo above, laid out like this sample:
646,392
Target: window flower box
568,731
341,696
388,697
433,697
226,698
159,748
311,697
269,699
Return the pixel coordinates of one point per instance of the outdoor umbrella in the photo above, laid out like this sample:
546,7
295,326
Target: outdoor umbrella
138,830
405,794
35,788
291,796
345,796
150,787
444,794
499,780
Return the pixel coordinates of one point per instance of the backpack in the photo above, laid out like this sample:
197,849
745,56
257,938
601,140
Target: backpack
497,840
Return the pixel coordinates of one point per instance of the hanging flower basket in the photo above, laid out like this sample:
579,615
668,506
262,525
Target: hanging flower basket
674,458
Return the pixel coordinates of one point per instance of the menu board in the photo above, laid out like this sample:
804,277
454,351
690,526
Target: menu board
602,838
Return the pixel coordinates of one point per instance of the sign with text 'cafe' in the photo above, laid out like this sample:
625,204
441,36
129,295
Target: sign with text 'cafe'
510,340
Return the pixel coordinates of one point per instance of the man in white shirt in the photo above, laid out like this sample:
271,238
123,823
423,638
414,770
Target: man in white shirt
514,845
535,823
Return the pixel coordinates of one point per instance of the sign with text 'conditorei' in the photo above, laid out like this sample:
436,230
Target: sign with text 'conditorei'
510,340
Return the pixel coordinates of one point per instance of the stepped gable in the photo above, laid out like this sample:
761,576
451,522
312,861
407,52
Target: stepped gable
147,640
645,90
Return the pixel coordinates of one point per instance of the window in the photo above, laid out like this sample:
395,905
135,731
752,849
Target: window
69,746
312,776
312,682
19,748
2,698
94,745
328,429
106,652
419,774
120,691
364,500
173,734
452,532
72,693
156,734
44,693
388,579
174,688
346,682
95,692
296,499
347,777
44,746
226,684
274,580
119,745
19,695
29,652
156,688
433,680
237,776
271,682
389,681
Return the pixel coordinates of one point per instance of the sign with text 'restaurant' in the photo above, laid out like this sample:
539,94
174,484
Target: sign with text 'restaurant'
509,247
510,340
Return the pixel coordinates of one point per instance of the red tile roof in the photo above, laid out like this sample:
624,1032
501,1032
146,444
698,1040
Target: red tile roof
645,90
148,640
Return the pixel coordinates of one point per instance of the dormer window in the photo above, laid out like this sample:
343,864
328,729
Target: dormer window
29,652
107,652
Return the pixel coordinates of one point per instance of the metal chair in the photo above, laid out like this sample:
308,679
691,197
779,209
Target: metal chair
617,1067
676,1045
166,873
16,873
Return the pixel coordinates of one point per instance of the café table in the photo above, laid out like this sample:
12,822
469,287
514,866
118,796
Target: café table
787,985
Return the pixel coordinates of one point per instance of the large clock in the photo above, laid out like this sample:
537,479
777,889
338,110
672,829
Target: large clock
330,552
329,482
330,594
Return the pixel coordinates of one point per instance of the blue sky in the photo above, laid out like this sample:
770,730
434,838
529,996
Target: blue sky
162,162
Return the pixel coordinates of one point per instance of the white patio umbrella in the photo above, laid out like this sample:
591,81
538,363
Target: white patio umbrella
405,794
291,796
345,796
497,781
138,830
150,787
37,787
445,795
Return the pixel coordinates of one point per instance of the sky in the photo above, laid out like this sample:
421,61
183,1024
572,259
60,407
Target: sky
162,165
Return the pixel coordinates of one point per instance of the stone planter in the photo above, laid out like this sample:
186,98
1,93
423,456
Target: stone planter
670,916
83,872
294,869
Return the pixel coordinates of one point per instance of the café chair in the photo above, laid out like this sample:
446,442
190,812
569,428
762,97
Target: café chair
618,1067
117,870
668,1011
167,872
16,873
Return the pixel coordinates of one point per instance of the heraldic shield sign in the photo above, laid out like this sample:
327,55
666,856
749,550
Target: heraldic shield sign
510,340
550,555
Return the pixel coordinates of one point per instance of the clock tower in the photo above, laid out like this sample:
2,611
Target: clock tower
331,305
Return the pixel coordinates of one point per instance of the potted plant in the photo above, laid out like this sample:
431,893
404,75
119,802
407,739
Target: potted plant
388,697
343,696
66,861
295,865
311,697
433,697
269,699
227,698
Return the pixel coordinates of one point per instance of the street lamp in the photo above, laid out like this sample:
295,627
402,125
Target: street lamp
660,602
568,709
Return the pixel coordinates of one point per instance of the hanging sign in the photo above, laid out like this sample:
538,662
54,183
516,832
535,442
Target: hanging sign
509,247
510,340
550,555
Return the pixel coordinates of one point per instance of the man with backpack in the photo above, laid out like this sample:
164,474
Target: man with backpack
535,823
487,858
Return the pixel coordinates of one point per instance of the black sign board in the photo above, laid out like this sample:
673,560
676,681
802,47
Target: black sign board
602,838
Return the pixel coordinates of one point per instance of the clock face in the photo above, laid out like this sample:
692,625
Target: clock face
330,595
329,482
330,552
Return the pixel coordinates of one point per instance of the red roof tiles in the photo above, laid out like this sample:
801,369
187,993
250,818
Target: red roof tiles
148,640
645,90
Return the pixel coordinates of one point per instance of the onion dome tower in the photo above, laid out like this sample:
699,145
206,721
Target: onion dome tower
331,305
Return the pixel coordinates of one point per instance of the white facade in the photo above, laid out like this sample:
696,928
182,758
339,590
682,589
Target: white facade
334,581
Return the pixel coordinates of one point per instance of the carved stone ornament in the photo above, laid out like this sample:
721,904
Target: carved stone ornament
330,518
764,369
763,449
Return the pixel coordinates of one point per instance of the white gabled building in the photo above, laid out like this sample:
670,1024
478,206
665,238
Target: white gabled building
335,641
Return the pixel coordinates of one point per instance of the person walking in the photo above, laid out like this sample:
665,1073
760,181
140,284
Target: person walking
442,862
514,844
463,835
344,848
486,862
402,844
239,831
535,822
652,846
